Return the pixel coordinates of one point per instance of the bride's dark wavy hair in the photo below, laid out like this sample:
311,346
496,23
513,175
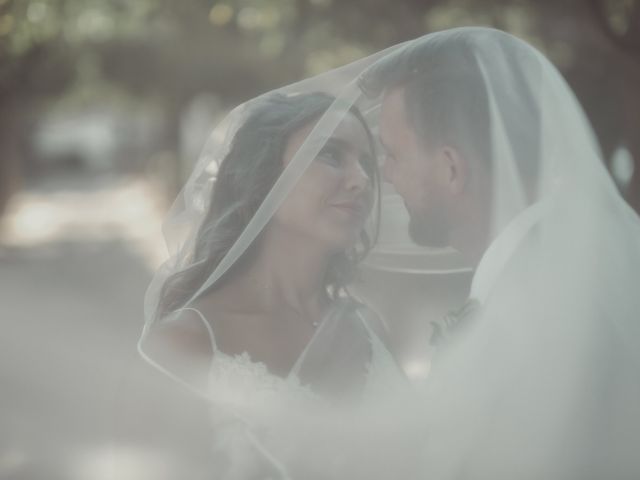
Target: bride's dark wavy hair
244,178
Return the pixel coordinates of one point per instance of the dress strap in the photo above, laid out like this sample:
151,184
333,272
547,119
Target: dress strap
212,338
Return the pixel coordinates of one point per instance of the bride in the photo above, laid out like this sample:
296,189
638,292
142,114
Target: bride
272,337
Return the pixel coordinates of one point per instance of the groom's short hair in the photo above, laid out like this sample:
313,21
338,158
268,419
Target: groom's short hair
446,97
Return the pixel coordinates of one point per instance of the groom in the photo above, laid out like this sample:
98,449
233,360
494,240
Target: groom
462,137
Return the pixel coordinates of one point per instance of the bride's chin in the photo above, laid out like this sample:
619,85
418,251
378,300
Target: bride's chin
346,243
341,237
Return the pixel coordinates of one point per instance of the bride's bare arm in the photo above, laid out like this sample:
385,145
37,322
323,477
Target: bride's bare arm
183,347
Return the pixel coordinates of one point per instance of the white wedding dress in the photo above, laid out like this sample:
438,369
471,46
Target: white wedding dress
267,426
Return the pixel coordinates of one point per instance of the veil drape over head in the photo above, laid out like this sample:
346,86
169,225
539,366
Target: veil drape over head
544,380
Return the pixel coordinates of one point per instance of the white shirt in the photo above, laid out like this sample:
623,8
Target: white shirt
500,251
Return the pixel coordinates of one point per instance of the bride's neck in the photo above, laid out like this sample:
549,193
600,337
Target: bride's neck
289,272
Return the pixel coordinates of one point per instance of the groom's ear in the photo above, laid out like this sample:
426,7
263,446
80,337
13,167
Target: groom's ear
454,170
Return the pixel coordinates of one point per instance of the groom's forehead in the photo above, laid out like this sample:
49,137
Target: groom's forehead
393,99
393,114
394,109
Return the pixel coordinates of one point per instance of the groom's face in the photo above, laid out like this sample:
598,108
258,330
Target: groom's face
412,169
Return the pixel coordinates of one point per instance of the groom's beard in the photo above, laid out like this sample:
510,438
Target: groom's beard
429,228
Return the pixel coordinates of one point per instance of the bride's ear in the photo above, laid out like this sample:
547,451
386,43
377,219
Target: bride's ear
454,170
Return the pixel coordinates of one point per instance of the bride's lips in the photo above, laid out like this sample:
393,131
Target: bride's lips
358,209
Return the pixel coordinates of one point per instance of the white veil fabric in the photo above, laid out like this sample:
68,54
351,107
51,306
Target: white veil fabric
542,382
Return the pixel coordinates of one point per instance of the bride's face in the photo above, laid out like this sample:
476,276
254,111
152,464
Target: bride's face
330,203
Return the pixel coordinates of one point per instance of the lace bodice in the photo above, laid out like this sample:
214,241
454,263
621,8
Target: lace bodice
262,421
247,388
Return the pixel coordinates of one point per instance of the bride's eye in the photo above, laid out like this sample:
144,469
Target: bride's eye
331,155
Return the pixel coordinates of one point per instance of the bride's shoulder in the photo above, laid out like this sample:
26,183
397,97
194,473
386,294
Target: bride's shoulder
182,345
186,330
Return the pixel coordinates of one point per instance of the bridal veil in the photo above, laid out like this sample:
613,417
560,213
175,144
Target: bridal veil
545,381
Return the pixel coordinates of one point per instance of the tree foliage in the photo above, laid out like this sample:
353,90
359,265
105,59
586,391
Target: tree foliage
167,51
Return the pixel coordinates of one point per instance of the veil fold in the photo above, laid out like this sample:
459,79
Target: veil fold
545,381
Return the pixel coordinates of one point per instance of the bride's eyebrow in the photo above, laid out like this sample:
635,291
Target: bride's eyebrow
339,142
335,142
348,146
342,144
321,141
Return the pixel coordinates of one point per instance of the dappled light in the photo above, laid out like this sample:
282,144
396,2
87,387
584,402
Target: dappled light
88,210
109,107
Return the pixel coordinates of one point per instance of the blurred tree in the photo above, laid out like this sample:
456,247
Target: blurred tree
166,52
45,48
619,20
29,69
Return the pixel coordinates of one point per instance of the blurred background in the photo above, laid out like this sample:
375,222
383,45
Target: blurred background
104,107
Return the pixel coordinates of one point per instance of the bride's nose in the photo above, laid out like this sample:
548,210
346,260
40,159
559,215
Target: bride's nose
356,177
